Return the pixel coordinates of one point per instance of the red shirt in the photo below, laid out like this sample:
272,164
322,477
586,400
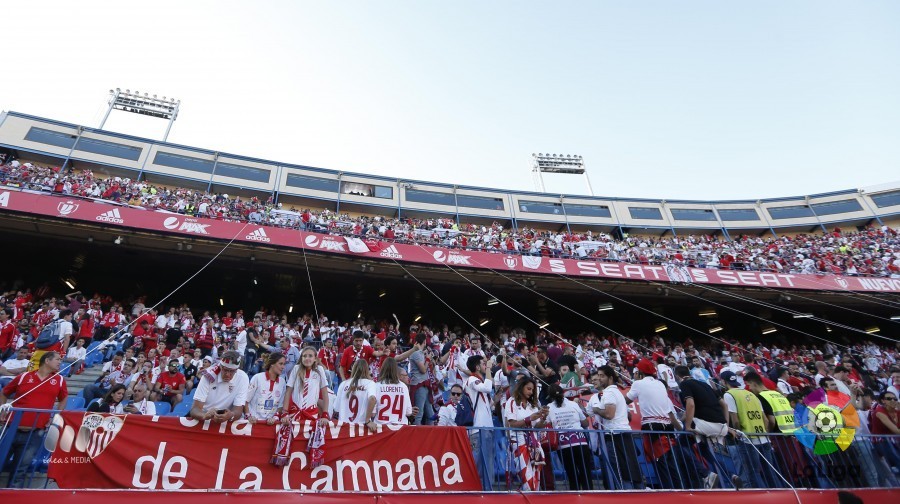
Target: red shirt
351,355
42,397
327,357
172,381
876,427
7,335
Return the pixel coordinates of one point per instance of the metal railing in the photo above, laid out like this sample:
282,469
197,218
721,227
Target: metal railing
510,460
626,460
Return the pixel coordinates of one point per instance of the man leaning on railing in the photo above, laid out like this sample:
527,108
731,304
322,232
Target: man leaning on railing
29,390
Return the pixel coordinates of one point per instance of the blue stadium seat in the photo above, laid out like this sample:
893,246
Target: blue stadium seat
74,402
181,410
188,398
162,408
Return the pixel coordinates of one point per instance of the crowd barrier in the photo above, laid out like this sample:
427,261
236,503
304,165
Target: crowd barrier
512,460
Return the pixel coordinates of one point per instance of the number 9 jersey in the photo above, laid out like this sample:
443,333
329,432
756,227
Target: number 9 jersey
352,406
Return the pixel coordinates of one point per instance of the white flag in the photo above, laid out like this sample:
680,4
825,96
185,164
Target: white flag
356,245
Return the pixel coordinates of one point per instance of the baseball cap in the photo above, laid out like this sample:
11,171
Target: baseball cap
730,378
646,367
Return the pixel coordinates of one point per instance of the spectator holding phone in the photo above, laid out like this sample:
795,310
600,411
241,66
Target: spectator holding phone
222,392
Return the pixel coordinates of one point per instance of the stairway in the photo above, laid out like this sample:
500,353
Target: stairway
78,382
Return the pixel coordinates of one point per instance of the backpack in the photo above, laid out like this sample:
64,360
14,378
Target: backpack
49,336
465,410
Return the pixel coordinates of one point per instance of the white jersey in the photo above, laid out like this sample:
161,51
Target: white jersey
221,394
313,383
264,396
352,409
665,374
392,404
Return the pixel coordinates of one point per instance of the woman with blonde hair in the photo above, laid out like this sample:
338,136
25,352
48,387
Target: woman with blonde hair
306,392
305,398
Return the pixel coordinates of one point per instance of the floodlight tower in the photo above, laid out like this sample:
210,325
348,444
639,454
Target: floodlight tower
163,108
557,163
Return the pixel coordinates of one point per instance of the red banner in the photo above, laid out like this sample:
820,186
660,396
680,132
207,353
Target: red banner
165,222
171,453
699,497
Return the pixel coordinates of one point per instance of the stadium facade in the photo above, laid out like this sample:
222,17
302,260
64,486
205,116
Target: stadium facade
304,186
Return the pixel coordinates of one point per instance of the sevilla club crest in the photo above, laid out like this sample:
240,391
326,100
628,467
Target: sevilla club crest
97,432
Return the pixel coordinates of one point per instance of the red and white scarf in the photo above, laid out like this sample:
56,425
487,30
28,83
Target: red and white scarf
284,435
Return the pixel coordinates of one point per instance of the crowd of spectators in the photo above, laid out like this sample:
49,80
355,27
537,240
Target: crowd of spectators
513,378
873,251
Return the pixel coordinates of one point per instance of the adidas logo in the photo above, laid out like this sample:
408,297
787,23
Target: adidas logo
259,235
112,216
391,252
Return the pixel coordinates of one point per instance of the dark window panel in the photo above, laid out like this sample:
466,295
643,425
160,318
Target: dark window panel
434,198
183,162
645,213
91,145
588,210
791,212
693,214
837,207
540,207
480,202
315,183
243,172
887,199
738,214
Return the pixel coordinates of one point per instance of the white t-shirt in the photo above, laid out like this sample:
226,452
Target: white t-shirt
447,415
517,412
352,409
611,395
74,353
264,396
664,372
653,399
568,417
313,383
479,392
241,342
145,407
392,404
65,329
15,364
223,395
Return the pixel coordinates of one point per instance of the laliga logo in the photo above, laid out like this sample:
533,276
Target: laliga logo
186,226
511,261
67,208
311,241
840,281
825,428
439,256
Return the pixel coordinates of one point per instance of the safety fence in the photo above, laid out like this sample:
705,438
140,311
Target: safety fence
511,460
